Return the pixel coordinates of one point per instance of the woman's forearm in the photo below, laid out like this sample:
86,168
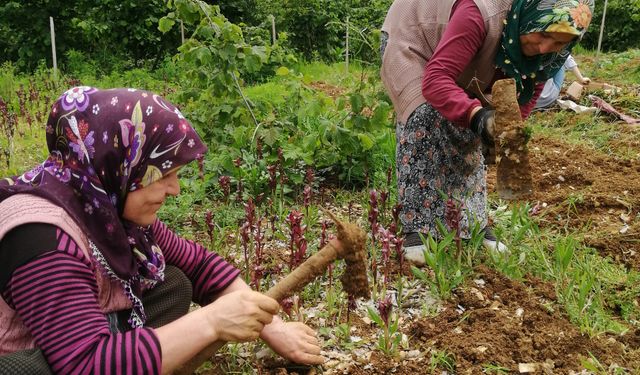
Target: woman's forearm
183,338
577,73
180,340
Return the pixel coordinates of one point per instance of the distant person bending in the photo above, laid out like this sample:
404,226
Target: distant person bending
439,60
552,87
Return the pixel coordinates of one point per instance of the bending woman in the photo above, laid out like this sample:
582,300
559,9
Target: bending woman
91,280
438,60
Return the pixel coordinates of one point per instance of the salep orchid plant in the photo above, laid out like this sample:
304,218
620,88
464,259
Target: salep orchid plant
390,340
386,239
298,243
225,186
453,217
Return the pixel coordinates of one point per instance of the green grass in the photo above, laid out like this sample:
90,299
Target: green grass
334,74
587,130
592,289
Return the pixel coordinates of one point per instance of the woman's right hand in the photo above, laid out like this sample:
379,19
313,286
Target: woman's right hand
241,315
482,123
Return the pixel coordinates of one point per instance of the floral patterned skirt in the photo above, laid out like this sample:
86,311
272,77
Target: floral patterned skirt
437,161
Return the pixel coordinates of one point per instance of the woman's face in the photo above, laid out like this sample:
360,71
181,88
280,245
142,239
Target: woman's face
143,204
540,42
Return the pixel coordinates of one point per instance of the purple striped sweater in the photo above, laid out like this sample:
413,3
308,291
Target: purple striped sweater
56,296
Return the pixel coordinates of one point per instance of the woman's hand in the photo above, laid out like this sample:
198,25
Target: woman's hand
585,80
482,123
241,315
293,341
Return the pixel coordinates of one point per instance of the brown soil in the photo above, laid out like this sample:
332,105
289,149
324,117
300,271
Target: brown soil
506,323
490,329
329,89
605,191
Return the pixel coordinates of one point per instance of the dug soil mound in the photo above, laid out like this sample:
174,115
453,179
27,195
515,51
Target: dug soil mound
496,321
580,189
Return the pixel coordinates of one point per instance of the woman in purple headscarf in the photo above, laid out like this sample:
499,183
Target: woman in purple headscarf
91,280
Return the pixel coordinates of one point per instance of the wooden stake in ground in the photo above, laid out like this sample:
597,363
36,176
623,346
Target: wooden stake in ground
512,155
354,280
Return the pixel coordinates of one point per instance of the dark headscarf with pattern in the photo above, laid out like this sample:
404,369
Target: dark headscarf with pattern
528,16
104,144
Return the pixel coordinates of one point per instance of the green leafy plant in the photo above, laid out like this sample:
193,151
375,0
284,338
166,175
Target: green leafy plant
447,268
563,253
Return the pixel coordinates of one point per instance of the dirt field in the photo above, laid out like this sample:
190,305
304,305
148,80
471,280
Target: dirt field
496,325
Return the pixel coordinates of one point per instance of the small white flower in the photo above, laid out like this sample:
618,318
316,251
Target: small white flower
191,143
96,109
114,101
105,137
169,128
88,208
149,110
132,90
167,164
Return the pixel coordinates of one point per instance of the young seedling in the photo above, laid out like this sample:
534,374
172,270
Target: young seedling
443,360
490,368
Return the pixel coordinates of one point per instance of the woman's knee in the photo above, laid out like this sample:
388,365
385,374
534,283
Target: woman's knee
179,283
24,362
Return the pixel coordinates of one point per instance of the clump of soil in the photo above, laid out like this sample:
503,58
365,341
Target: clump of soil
494,320
512,156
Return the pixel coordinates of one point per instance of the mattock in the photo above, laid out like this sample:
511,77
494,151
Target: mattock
354,279
514,179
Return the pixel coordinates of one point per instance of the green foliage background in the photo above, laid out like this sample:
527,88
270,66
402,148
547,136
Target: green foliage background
103,30
622,26
122,34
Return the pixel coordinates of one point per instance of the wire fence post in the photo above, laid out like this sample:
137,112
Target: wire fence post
604,14
53,49
346,52
182,30
273,29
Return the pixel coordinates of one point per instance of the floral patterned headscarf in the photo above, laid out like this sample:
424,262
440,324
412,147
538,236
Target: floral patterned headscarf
528,16
104,144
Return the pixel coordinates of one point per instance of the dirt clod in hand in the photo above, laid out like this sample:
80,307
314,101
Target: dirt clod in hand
512,155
